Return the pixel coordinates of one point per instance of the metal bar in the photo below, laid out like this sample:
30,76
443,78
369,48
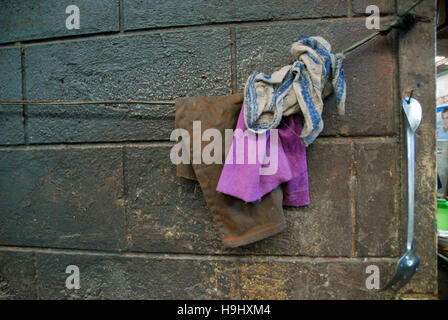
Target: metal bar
410,137
78,102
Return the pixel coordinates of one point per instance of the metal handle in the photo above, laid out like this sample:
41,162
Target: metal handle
410,137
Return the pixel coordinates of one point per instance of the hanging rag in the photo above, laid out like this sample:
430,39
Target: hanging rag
243,179
239,223
300,86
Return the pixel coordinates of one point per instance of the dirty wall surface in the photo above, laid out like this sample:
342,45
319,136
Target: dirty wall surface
93,186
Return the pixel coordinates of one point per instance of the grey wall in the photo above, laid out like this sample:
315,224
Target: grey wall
93,186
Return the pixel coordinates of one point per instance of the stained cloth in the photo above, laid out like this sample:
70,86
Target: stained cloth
239,223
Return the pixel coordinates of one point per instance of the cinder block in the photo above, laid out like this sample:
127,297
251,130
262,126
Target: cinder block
370,108
11,120
324,228
166,213
310,279
124,277
16,276
139,14
30,20
140,67
377,198
99,123
348,279
62,198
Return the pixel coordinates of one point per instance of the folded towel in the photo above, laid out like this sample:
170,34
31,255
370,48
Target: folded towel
301,86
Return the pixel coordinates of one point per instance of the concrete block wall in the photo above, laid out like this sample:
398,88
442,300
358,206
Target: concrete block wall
93,186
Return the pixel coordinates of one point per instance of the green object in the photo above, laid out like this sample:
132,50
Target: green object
442,214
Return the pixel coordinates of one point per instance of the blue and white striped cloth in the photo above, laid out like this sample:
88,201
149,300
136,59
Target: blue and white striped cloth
301,86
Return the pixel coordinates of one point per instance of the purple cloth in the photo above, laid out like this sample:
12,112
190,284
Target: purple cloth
243,179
